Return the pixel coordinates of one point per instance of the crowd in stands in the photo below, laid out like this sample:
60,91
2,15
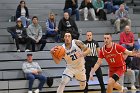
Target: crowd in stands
30,33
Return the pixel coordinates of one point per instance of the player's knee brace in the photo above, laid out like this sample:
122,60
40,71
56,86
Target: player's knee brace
82,85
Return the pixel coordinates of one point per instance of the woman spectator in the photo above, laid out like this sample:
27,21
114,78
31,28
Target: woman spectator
71,6
51,29
99,9
19,34
22,12
86,6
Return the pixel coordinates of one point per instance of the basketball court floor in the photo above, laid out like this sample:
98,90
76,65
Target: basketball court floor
128,91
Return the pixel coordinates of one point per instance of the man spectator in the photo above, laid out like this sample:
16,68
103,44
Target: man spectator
33,71
71,6
19,34
117,3
34,32
86,6
121,18
127,39
68,24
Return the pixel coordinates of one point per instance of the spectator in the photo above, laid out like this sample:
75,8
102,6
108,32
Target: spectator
117,3
99,9
34,32
68,24
22,12
127,39
136,67
129,75
86,6
52,29
33,71
108,5
121,18
19,34
71,6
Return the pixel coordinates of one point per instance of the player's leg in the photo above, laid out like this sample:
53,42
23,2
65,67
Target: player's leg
100,79
81,76
118,87
64,81
67,76
110,85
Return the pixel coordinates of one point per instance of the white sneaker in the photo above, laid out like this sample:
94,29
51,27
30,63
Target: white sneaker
86,19
30,92
96,19
27,50
18,50
123,90
36,91
133,87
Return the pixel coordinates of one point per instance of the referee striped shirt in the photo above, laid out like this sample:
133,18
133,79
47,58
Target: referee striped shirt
93,45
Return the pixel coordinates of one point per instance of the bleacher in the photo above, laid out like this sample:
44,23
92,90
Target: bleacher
12,79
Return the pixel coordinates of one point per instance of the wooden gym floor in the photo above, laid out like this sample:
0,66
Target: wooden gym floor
128,91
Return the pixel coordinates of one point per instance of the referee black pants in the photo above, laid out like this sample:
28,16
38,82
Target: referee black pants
90,62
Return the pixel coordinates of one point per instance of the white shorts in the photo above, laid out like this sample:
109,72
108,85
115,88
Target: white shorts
78,74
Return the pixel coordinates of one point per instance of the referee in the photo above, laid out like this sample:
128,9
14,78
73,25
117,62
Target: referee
91,60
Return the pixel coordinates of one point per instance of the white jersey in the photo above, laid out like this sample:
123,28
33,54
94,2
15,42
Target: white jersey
71,60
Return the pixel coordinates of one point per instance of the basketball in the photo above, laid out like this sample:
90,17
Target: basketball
60,52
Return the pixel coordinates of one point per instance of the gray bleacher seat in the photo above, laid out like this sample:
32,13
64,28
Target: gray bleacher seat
22,55
14,65
3,85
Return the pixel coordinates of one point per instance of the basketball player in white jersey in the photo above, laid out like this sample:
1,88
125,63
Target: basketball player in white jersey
76,50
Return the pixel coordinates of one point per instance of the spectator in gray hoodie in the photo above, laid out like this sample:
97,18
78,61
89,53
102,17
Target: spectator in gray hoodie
33,71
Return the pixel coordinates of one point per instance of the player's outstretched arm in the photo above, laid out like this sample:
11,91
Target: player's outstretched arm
96,66
131,53
56,60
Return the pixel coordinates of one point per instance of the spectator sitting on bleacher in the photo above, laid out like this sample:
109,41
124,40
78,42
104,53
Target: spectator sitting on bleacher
19,34
33,71
121,18
108,5
34,32
136,67
129,75
99,9
85,7
117,3
127,39
22,12
71,6
51,29
68,24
